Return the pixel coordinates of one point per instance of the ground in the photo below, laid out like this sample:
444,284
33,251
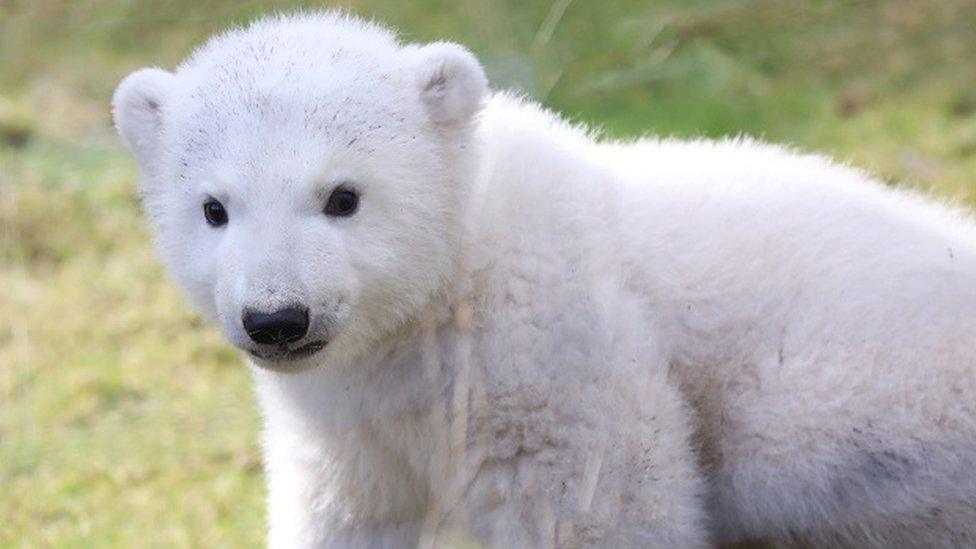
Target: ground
123,420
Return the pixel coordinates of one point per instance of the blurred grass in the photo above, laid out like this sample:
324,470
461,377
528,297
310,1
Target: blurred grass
124,420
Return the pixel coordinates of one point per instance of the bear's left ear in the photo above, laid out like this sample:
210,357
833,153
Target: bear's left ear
451,82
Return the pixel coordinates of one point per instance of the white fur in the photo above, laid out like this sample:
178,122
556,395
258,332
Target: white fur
538,338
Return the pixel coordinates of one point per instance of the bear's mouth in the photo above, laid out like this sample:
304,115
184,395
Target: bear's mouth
284,354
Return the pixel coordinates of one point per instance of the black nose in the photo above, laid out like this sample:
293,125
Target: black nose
282,326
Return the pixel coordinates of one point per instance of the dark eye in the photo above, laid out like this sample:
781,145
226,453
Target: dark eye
215,213
342,202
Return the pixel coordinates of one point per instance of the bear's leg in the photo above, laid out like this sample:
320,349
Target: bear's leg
844,480
631,481
339,495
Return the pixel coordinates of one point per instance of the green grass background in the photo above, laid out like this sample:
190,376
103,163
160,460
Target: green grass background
125,421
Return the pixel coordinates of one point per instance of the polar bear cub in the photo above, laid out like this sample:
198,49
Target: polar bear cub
468,320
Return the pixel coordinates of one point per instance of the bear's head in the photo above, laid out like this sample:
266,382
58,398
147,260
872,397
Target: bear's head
304,177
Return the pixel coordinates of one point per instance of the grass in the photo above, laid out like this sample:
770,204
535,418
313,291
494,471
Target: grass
124,420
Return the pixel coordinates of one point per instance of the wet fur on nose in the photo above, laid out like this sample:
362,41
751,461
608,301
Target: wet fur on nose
279,327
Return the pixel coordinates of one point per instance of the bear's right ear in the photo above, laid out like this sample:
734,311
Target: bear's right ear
137,108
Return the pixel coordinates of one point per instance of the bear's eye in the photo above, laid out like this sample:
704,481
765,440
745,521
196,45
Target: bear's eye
342,202
215,213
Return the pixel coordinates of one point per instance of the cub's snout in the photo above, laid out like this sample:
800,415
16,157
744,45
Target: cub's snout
283,336
280,327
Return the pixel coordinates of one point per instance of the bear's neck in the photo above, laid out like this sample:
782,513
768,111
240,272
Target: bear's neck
383,414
